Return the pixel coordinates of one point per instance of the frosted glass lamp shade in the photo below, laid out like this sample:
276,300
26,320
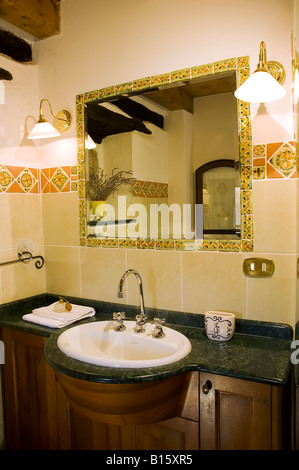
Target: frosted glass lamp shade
260,87
43,130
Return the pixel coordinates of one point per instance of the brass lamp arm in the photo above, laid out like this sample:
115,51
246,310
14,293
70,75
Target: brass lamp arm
41,114
62,120
276,69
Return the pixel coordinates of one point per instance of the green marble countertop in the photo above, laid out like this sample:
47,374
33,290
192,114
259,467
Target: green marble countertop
259,351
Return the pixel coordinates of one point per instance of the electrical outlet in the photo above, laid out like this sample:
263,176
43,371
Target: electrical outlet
258,267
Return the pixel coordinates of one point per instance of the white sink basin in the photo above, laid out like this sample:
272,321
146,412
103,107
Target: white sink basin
97,343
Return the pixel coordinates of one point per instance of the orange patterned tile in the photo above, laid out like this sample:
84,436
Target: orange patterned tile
272,148
272,173
15,188
258,162
15,170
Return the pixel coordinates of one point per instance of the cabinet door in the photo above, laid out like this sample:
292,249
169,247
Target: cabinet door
172,434
234,414
29,393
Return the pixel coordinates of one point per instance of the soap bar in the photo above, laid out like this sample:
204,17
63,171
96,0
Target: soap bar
62,306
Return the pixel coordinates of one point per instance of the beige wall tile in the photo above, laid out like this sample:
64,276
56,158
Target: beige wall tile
21,218
101,270
63,270
20,280
60,219
274,299
213,281
274,209
160,271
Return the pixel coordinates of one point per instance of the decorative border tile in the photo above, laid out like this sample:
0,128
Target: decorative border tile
275,160
241,66
15,179
149,189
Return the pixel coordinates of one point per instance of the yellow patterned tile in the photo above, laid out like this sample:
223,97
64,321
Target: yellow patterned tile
227,64
164,244
185,245
243,109
90,96
124,88
245,153
245,128
26,180
106,92
144,243
247,245
59,179
284,160
141,84
259,173
246,178
259,150
74,185
127,243
82,228
242,75
246,202
109,242
229,245
247,227
162,79
243,62
183,74
82,208
200,70
211,245
6,178
94,241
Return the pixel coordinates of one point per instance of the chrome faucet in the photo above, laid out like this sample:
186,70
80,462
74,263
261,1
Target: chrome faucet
141,319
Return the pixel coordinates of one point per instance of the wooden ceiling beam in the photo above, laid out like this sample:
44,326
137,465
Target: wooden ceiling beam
40,18
14,47
101,122
5,75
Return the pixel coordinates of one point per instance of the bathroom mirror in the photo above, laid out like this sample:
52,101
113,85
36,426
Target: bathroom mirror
148,139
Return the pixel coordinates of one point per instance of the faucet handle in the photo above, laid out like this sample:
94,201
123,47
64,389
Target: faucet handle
140,321
119,319
158,331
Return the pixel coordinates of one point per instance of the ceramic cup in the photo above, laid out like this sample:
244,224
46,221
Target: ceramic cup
220,326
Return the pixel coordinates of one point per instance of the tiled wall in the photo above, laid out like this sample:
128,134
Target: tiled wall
182,275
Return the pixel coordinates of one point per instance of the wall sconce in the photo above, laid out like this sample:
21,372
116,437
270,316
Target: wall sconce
89,143
264,84
43,129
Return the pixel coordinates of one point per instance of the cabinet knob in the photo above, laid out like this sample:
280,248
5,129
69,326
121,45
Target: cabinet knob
207,387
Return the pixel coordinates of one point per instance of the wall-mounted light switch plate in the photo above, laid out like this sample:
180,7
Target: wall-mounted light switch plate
258,267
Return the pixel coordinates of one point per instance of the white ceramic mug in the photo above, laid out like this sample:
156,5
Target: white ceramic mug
220,326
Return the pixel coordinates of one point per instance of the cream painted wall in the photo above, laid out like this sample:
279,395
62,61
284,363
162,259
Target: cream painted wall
106,43
21,214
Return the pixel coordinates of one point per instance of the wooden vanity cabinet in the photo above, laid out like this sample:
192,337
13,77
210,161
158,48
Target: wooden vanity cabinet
219,412
29,393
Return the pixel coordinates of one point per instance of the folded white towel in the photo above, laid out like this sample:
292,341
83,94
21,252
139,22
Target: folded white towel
46,316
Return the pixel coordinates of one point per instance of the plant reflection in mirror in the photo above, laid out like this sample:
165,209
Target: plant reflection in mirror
100,186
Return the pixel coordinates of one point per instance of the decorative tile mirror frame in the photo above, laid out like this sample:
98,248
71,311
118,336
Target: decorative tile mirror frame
241,66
